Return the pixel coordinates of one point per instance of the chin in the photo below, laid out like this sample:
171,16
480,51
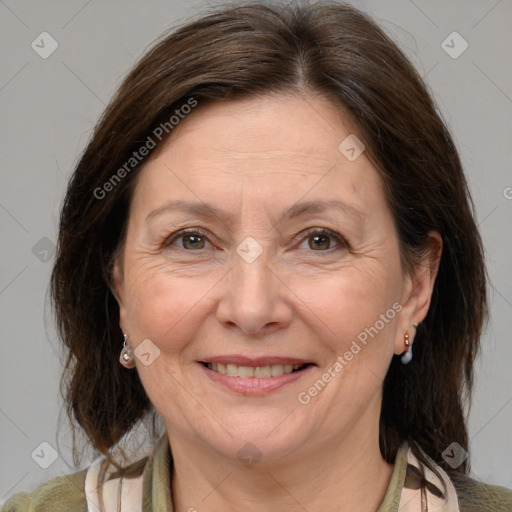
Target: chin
264,440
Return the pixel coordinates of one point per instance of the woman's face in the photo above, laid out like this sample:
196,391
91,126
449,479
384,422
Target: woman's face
290,257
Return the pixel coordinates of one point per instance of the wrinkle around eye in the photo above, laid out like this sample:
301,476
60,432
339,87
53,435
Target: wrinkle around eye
301,243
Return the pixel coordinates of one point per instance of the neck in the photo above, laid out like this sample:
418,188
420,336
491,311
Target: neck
346,473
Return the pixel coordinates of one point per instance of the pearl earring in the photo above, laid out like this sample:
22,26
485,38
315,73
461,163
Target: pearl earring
126,357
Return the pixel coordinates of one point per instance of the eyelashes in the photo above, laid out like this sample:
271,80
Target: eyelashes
322,233
197,232
199,236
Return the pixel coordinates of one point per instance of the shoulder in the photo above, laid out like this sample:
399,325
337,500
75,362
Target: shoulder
60,494
450,490
475,496
101,486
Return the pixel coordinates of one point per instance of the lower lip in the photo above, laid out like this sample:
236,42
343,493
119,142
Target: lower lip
253,385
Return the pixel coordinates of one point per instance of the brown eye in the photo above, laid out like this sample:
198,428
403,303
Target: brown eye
319,242
321,239
191,240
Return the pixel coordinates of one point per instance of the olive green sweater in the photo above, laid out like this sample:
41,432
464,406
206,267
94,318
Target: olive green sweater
148,489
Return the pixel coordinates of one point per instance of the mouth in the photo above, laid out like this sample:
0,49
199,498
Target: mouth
259,372
255,376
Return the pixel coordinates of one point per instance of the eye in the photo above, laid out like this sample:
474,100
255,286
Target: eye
192,239
319,239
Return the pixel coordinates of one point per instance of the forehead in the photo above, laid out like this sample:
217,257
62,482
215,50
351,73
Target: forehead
263,151
269,127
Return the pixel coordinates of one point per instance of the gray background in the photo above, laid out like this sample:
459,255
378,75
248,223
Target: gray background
49,106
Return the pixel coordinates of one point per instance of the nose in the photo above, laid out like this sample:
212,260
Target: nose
255,298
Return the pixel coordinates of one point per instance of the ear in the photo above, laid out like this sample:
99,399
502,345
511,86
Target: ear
417,292
118,290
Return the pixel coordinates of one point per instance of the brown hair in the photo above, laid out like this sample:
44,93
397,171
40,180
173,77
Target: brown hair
255,49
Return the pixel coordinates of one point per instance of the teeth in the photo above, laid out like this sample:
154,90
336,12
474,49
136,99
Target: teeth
261,372
276,370
245,371
232,370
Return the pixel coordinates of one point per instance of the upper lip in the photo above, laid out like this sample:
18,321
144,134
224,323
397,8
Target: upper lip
240,360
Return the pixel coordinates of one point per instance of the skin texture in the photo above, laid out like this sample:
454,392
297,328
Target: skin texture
302,297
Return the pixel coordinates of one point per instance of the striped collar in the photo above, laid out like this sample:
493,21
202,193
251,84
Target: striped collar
150,489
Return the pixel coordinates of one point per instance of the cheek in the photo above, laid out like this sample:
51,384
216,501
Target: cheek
352,300
357,311
161,306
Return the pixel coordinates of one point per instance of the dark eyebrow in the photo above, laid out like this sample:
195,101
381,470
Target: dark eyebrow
309,207
200,209
299,209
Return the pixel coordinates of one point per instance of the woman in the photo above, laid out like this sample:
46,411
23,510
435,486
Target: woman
268,218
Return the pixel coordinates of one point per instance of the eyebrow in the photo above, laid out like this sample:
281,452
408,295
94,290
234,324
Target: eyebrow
206,210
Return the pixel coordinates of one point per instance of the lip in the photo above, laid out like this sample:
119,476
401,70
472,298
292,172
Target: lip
254,386
240,360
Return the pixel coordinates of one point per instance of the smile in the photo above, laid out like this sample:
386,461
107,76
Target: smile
261,372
